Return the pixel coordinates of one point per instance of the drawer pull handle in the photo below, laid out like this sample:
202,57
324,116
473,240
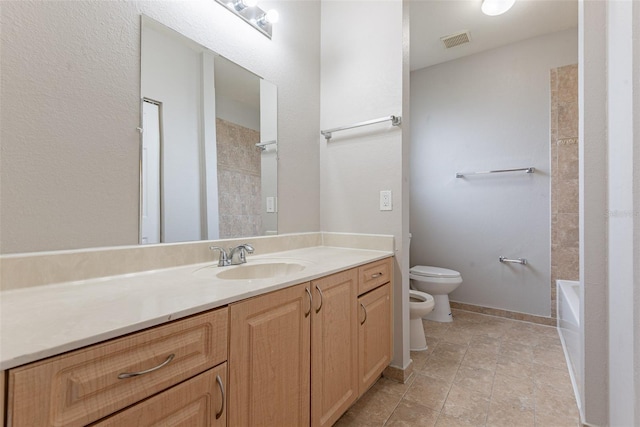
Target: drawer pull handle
310,302
147,371
365,313
219,381
376,275
321,299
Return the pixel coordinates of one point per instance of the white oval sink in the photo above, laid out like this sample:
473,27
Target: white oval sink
253,270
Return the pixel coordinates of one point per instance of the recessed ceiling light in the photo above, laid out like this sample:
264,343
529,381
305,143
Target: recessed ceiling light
496,7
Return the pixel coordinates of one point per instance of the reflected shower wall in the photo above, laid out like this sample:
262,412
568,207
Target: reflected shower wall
564,178
239,180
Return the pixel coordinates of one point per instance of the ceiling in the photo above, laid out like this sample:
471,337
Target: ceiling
432,19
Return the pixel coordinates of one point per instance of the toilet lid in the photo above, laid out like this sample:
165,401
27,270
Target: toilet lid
428,271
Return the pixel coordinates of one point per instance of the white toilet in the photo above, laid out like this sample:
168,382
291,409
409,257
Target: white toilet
438,282
420,304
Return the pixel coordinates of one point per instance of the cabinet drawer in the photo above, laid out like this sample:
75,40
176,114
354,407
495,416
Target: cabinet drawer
83,386
373,275
198,402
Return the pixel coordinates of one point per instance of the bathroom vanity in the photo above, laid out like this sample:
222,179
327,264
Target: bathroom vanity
295,349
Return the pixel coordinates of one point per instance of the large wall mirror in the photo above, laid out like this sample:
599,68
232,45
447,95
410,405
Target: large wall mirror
209,143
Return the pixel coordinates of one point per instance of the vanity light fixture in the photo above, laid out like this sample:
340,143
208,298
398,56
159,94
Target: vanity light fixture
496,7
249,11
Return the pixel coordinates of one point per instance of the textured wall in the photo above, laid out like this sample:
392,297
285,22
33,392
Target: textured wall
483,112
565,218
70,87
239,179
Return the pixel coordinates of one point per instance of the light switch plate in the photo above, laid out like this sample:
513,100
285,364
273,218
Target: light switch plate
386,202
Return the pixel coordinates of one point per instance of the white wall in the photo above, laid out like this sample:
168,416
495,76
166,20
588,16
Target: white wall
484,112
171,75
69,172
361,80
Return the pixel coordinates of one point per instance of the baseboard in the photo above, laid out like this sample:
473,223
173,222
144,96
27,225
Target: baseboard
398,374
514,315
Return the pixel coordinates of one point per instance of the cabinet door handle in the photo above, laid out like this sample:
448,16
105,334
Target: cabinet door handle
219,381
146,371
376,275
365,313
310,301
321,299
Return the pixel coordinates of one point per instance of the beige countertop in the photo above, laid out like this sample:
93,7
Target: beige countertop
44,321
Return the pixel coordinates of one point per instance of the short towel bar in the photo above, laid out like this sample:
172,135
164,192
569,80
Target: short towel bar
395,121
522,261
527,170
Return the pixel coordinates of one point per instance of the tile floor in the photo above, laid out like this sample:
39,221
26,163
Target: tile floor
479,370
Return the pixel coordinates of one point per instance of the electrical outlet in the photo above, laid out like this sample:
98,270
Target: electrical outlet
386,203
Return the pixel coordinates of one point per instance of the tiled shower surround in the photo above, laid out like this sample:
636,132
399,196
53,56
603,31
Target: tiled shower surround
239,185
564,177
478,371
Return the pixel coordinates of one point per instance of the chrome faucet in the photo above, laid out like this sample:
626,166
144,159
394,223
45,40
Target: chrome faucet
242,251
235,256
224,260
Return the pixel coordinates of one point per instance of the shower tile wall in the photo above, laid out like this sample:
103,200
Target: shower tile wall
564,177
239,192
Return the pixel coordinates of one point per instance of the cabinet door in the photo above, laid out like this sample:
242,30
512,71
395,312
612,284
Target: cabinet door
374,335
334,347
269,359
198,402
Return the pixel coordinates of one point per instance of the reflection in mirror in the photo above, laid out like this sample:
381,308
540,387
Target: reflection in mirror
209,143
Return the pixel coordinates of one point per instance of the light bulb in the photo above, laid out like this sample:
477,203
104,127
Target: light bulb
250,3
272,16
496,7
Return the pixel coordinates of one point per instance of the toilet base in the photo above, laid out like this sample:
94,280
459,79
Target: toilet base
417,340
441,310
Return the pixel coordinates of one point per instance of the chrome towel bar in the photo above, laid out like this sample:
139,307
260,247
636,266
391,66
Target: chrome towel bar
522,261
263,145
395,121
527,170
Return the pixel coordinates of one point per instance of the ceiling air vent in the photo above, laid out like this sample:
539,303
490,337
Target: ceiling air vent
457,39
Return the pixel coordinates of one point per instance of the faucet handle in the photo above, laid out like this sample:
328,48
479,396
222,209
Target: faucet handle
223,261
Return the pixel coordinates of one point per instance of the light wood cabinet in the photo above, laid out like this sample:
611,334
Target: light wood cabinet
374,274
334,347
85,385
374,335
269,359
198,402
300,356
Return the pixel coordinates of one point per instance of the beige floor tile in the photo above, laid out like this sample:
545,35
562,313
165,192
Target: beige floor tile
428,391
515,391
451,351
351,420
476,380
440,367
449,421
514,367
419,358
485,343
411,414
480,359
375,406
516,350
393,387
509,414
466,404
456,336
550,355
435,329
522,336
543,374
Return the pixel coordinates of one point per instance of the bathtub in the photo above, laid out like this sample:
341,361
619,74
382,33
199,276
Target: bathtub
568,301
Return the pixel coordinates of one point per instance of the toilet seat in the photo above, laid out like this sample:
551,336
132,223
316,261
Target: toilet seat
437,272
